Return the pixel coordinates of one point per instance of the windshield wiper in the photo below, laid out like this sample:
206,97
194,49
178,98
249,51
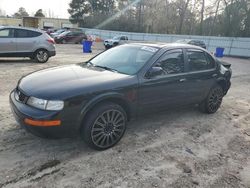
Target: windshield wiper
106,68
102,67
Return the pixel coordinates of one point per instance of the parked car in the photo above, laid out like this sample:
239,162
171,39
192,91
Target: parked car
193,42
58,32
117,40
49,30
74,37
26,42
98,97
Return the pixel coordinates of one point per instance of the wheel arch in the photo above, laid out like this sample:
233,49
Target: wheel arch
40,48
111,97
223,83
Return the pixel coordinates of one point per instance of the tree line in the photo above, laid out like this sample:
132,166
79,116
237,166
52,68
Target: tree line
193,17
21,12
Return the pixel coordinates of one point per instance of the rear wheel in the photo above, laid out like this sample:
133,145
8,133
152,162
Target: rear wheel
41,56
105,125
213,101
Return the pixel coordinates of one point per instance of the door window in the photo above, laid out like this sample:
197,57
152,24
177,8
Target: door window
172,62
22,33
199,60
123,38
6,33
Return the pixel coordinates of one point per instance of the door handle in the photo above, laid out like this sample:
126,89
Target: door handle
214,75
183,80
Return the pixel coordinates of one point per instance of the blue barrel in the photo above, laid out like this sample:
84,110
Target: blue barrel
219,52
87,46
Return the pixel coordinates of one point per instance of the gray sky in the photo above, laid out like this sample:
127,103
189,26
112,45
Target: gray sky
56,8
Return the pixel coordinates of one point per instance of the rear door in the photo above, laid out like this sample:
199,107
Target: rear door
26,40
70,37
123,40
201,75
7,41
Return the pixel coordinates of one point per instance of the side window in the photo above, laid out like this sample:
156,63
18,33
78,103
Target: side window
211,61
34,34
123,38
6,33
21,33
172,62
198,60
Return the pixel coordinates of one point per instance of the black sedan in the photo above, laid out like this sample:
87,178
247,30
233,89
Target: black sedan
98,97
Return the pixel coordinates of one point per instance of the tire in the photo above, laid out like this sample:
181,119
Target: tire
41,56
63,41
213,101
105,125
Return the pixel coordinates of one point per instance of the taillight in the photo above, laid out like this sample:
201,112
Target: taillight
51,41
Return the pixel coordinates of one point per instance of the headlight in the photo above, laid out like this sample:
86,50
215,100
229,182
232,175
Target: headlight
45,104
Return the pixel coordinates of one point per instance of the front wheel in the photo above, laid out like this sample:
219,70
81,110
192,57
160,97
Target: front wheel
213,101
41,56
105,125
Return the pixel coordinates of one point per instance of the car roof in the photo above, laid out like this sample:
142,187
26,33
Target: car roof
167,45
19,27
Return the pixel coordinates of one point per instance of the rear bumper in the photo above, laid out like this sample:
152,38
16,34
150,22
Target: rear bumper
22,111
52,53
227,87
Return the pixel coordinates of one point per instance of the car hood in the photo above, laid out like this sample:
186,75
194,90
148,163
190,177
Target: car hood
68,81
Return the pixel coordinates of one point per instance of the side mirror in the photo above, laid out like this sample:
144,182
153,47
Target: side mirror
154,71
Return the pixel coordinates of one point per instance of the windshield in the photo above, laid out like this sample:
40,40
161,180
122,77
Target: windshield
116,37
125,59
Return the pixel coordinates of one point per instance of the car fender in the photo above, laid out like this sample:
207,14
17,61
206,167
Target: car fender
40,46
102,97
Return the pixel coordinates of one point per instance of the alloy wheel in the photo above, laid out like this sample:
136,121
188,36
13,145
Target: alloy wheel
108,128
215,99
42,56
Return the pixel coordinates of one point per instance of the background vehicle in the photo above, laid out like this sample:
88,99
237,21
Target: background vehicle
58,32
74,37
26,42
97,98
193,42
50,30
117,40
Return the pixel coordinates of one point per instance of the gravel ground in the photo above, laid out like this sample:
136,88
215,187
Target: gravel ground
177,148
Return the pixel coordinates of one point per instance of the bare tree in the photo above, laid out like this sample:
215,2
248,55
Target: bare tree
182,6
202,16
215,16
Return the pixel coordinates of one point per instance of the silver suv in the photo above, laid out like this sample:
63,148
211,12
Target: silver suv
117,40
26,42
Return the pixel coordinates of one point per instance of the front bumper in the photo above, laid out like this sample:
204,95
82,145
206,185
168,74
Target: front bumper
22,111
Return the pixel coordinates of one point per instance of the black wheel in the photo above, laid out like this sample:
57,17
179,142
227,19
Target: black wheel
213,101
105,125
63,41
41,56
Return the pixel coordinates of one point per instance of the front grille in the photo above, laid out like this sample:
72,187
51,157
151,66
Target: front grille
20,96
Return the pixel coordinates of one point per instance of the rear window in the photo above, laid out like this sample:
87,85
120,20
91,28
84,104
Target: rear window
22,33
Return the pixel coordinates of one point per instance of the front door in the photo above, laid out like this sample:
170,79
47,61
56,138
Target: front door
7,41
166,89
